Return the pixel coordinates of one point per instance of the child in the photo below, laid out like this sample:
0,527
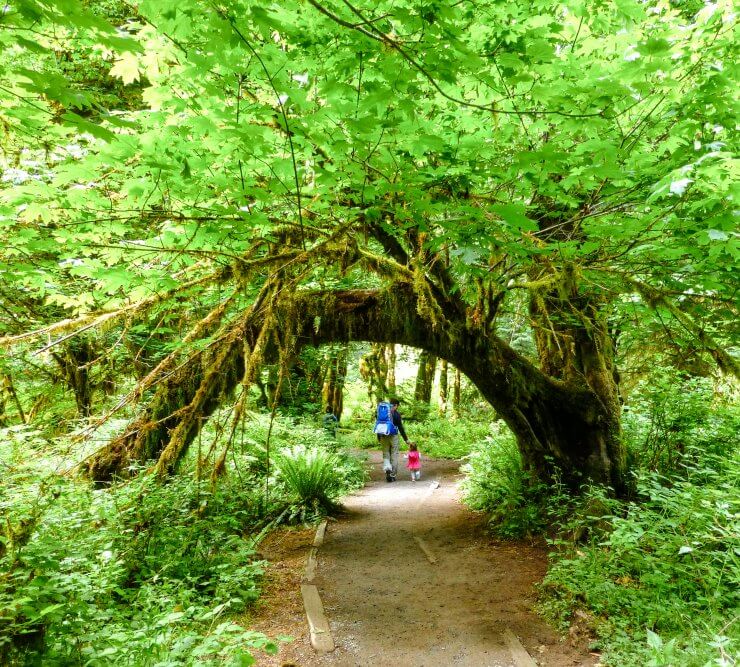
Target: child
414,462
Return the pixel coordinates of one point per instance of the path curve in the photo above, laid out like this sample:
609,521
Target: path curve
388,605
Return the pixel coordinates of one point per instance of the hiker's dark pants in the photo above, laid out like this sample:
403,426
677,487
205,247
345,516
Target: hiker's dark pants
389,443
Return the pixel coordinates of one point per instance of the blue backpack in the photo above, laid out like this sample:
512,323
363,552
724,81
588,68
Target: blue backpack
384,420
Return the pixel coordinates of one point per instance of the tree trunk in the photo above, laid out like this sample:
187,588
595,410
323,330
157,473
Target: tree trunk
374,370
425,377
456,393
7,387
390,363
575,347
557,424
333,390
74,360
443,370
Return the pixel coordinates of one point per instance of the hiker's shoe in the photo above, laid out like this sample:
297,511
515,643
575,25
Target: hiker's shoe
388,476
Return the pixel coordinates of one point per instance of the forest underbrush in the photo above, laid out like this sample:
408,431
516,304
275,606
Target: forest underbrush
144,572
654,577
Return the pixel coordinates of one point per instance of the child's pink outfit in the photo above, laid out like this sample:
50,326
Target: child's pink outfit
414,465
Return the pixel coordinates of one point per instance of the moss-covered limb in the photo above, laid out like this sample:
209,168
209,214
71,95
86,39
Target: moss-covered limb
204,327
655,298
69,328
173,416
187,393
564,423
567,422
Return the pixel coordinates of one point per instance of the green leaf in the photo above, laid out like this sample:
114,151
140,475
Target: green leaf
514,216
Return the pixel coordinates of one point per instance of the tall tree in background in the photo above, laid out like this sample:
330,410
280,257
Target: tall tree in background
390,362
427,365
332,393
456,394
374,370
312,172
443,388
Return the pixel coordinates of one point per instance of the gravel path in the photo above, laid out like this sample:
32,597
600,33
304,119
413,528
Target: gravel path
387,604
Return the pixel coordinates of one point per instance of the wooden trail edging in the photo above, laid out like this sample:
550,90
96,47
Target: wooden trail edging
518,652
318,625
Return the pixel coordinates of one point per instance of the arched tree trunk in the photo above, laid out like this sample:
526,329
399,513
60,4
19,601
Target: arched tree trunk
556,423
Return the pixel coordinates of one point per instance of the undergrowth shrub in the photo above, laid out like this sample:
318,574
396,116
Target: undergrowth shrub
671,417
496,483
139,574
659,575
662,578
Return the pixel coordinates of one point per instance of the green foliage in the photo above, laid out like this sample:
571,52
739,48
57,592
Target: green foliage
143,573
672,416
659,576
666,570
496,483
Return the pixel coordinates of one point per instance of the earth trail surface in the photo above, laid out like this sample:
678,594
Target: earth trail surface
388,605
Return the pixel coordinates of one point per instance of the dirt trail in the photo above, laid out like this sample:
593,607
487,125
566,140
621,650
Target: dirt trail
387,604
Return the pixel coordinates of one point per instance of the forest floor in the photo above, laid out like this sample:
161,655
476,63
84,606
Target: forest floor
387,604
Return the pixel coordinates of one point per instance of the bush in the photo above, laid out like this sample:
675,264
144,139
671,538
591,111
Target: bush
671,416
143,573
659,576
497,483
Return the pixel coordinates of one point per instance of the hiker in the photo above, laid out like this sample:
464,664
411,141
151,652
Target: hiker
330,422
387,427
414,462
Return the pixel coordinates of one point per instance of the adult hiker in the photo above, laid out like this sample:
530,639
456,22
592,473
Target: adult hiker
388,426
331,421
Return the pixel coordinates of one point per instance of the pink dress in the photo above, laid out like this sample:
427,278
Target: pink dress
414,462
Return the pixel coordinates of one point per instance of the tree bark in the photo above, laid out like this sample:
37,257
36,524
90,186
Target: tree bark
333,390
374,370
425,377
443,379
556,423
390,362
456,393
75,360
